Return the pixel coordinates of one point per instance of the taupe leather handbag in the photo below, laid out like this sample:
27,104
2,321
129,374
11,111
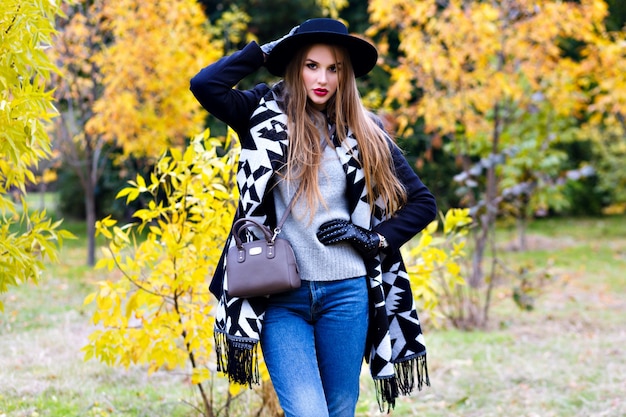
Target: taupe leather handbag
261,267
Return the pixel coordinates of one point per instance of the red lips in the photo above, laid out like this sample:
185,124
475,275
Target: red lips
320,91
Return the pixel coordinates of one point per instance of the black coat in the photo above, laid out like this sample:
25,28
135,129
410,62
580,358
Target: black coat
213,87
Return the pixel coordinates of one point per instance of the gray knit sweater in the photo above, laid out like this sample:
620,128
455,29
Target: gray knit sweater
316,261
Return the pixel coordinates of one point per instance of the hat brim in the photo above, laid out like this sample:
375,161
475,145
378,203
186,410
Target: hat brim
363,54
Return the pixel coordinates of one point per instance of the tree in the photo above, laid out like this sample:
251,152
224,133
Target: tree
158,312
126,67
617,15
270,19
604,74
156,48
79,84
26,108
472,71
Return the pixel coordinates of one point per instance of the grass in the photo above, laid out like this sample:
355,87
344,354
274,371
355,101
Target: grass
41,369
564,358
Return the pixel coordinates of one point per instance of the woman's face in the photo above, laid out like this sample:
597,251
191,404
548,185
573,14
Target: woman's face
320,72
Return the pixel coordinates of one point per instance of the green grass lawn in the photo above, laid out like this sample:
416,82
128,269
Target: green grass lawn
567,357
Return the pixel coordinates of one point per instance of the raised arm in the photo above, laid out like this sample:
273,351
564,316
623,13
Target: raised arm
213,87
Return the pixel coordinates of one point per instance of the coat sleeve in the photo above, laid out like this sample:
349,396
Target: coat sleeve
420,208
213,87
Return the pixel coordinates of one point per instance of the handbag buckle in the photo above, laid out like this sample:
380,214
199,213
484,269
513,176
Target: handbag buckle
276,233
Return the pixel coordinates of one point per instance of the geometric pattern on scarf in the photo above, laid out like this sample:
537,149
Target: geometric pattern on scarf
397,354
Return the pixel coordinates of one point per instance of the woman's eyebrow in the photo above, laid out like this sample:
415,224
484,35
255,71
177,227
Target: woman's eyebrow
312,61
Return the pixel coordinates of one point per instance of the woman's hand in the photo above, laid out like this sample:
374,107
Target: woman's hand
363,240
267,48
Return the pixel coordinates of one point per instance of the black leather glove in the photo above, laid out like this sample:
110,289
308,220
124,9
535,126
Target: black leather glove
363,240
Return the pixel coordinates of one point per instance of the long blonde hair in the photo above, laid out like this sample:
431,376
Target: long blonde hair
344,110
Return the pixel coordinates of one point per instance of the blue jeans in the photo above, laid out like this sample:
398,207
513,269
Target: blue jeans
313,342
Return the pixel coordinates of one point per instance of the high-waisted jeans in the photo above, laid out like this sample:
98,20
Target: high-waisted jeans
313,342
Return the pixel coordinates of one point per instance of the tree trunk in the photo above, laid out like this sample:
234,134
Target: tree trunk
42,195
487,222
90,214
480,243
522,224
477,277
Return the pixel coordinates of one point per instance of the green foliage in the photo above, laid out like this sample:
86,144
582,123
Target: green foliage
26,28
608,152
533,176
269,20
617,15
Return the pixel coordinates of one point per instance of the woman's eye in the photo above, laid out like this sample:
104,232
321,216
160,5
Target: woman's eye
333,68
311,66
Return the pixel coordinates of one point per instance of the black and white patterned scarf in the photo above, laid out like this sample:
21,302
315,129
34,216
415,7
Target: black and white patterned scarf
396,352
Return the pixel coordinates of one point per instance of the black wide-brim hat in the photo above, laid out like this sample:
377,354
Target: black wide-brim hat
363,54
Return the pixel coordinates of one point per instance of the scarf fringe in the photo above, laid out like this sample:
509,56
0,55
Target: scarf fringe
408,374
237,359
411,372
386,393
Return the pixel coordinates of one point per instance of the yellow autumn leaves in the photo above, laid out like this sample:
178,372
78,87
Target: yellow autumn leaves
469,56
156,309
26,107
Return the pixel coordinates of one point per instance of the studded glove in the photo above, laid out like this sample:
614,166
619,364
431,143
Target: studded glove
267,47
363,240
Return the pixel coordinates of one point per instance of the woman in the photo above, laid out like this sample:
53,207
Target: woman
357,202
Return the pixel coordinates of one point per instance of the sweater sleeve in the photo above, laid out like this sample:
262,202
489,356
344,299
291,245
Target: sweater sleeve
419,210
213,87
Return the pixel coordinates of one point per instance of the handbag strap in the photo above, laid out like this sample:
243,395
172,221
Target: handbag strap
279,226
282,220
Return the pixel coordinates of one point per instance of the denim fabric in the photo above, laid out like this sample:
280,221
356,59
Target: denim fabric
313,342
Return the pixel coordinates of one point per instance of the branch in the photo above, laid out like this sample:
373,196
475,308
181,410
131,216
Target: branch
17,12
195,407
192,359
134,282
621,119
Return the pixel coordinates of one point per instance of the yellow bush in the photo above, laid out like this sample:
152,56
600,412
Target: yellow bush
157,311
434,264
